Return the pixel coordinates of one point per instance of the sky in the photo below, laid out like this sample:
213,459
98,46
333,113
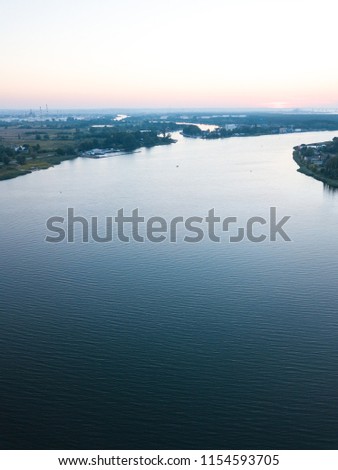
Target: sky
167,54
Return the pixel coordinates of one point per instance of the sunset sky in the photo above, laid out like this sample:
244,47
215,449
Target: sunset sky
178,53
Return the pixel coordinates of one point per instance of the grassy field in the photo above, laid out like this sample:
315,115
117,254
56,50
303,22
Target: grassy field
43,150
49,144
9,173
15,136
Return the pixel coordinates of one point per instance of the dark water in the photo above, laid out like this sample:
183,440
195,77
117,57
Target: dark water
171,345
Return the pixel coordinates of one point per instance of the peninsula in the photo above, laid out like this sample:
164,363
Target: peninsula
319,160
31,143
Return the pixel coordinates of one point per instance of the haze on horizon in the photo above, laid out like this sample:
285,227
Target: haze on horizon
151,53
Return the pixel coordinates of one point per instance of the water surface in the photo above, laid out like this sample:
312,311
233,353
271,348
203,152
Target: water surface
171,345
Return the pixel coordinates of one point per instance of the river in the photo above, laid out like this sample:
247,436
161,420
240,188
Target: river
171,345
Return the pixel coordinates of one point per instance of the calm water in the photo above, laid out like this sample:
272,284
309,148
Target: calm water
171,345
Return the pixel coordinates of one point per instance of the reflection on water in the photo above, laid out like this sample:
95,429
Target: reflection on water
329,189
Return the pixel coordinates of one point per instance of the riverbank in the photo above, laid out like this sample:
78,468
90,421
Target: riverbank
27,147
14,171
308,172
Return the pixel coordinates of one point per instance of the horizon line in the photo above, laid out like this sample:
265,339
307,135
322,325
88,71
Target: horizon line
170,109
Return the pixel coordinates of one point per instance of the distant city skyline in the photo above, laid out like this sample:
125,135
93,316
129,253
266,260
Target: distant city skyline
183,54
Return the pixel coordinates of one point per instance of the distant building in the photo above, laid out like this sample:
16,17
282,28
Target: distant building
230,127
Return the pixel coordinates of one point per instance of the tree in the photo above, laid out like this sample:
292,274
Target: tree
60,152
21,159
129,142
5,159
307,152
70,150
192,131
331,167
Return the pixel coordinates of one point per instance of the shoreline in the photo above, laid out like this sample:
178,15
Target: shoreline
34,165
49,162
306,171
